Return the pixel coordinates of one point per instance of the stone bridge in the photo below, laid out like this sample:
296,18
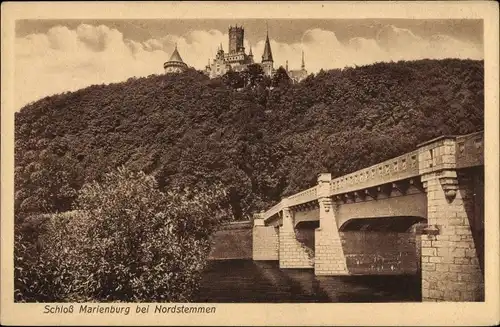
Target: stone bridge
421,212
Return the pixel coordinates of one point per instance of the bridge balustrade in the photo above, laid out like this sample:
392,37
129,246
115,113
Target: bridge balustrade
402,167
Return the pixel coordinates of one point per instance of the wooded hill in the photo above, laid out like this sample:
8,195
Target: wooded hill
261,143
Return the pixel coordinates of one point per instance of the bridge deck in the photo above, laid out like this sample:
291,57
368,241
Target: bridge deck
467,152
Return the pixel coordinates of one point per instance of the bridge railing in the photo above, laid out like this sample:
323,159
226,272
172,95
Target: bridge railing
305,196
402,167
469,152
299,198
273,210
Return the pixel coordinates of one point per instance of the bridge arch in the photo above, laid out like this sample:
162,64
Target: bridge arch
398,224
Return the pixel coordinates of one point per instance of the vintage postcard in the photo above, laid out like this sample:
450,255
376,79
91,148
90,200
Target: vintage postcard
250,163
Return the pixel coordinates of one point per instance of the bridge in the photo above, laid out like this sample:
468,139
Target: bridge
421,212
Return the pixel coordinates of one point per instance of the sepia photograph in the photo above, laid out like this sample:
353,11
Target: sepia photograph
177,164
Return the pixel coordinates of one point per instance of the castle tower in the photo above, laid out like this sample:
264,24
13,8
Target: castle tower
267,57
236,37
175,64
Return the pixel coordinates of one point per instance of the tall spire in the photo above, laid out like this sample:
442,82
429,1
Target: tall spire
268,55
286,67
250,54
303,66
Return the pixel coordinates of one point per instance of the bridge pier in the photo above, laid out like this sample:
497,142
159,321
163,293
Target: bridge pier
292,253
265,240
329,254
450,265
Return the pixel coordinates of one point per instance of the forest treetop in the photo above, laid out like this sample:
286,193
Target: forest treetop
261,139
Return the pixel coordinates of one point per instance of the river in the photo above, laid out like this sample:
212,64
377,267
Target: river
231,281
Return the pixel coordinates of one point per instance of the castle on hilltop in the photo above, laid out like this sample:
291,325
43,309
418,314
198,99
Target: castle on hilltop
236,59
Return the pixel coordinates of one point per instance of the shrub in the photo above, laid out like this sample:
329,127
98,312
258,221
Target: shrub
126,241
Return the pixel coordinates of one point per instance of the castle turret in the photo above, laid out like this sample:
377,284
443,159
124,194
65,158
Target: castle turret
175,64
220,53
250,56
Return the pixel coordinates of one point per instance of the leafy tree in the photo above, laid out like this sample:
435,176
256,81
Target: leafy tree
281,78
127,241
233,80
253,75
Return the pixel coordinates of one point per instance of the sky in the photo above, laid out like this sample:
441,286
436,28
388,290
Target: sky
54,56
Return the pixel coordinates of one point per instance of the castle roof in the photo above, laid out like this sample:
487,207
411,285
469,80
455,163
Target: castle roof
268,55
175,56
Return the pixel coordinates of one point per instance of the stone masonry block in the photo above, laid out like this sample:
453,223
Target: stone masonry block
470,253
426,243
436,294
442,267
440,244
429,266
457,253
462,261
464,244
428,251
435,259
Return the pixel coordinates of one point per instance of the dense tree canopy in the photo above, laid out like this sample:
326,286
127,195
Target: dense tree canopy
126,241
260,143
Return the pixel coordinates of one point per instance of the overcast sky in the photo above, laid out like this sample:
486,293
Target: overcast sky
53,56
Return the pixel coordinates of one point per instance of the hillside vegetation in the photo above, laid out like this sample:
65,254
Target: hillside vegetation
260,143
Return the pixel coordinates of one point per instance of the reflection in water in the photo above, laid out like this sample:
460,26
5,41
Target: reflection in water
263,281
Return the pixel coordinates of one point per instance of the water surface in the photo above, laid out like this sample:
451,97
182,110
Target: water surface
245,280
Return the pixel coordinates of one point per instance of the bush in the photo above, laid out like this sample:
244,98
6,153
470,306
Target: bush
126,241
